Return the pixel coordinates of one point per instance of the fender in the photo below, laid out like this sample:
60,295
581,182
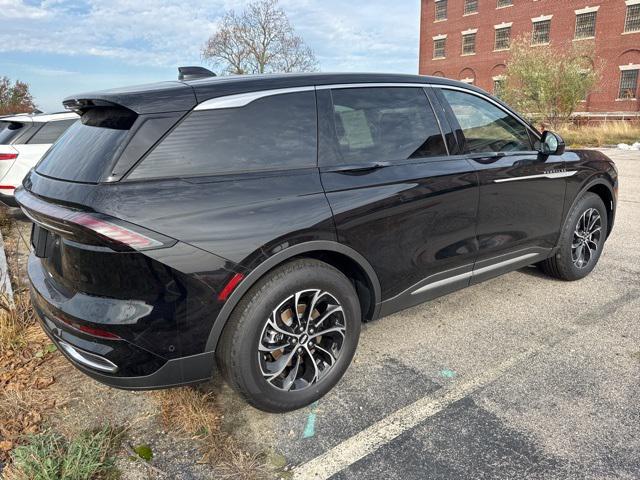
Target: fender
596,179
278,259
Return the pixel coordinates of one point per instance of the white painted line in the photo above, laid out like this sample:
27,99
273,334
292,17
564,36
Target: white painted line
6,292
382,432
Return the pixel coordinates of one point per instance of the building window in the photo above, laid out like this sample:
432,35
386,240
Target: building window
504,3
503,38
541,32
441,10
586,25
628,84
498,86
469,44
470,6
440,48
632,23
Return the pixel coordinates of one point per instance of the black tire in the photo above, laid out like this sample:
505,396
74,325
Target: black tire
241,362
563,263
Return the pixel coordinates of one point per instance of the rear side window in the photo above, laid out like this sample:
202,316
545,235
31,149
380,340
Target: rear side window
88,147
385,123
486,127
50,132
272,133
9,131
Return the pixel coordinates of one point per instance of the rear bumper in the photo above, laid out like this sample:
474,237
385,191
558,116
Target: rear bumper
117,363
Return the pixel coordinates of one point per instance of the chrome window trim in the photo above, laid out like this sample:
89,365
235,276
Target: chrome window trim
244,99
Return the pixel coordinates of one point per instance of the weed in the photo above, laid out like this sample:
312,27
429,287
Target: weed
49,456
196,414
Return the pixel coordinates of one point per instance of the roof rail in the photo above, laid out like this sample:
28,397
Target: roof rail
194,73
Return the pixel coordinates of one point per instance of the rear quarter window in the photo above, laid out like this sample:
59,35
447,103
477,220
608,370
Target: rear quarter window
272,133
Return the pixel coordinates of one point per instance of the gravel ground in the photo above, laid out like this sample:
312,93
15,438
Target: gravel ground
568,409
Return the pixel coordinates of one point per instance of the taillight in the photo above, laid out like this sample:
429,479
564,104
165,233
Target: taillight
115,232
8,156
78,224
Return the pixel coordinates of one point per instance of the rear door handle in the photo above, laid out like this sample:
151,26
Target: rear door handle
359,168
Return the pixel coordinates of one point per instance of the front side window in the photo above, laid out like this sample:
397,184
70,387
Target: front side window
586,25
503,38
486,127
469,44
271,133
470,6
541,32
385,123
51,131
628,84
632,22
441,9
440,48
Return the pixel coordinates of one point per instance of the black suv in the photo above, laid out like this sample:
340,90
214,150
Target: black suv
254,222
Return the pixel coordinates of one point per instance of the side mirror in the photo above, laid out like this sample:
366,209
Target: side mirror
550,144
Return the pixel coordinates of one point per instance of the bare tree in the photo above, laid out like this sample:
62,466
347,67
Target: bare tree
15,98
258,40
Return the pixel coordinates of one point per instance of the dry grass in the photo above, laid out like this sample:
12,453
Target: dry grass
196,414
609,133
15,321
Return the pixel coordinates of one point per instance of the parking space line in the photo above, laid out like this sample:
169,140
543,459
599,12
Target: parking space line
382,432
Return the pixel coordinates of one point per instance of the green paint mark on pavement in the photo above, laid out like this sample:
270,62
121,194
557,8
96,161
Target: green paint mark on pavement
310,427
446,373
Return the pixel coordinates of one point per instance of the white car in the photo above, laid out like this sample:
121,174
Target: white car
24,139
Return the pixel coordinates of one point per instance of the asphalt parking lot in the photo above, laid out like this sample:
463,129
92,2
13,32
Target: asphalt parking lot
519,377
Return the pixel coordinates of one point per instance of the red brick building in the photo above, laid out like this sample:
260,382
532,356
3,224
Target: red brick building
469,40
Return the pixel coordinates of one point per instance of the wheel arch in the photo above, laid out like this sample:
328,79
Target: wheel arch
344,258
601,186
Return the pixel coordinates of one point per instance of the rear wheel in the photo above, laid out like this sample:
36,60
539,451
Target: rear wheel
292,336
581,240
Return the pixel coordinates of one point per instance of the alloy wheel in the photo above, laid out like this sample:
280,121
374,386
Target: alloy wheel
586,238
302,340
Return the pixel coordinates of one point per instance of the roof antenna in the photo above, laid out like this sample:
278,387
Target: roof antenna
194,73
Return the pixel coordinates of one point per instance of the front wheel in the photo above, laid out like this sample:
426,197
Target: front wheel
292,336
581,240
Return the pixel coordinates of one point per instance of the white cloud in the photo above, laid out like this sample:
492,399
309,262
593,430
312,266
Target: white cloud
372,35
16,9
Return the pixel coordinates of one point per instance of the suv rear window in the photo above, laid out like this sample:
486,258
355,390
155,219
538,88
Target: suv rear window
271,133
50,132
89,146
9,131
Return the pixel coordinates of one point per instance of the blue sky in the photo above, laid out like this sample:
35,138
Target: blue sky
61,47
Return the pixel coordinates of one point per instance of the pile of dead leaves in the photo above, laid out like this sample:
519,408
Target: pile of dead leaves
26,373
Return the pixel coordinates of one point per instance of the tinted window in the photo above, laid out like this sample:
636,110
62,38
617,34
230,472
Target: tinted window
9,131
51,131
486,127
271,133
391,124
87,148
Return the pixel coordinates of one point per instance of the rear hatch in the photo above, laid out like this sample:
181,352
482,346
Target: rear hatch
89,270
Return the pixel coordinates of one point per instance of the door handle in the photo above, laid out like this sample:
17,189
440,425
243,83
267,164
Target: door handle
359,168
